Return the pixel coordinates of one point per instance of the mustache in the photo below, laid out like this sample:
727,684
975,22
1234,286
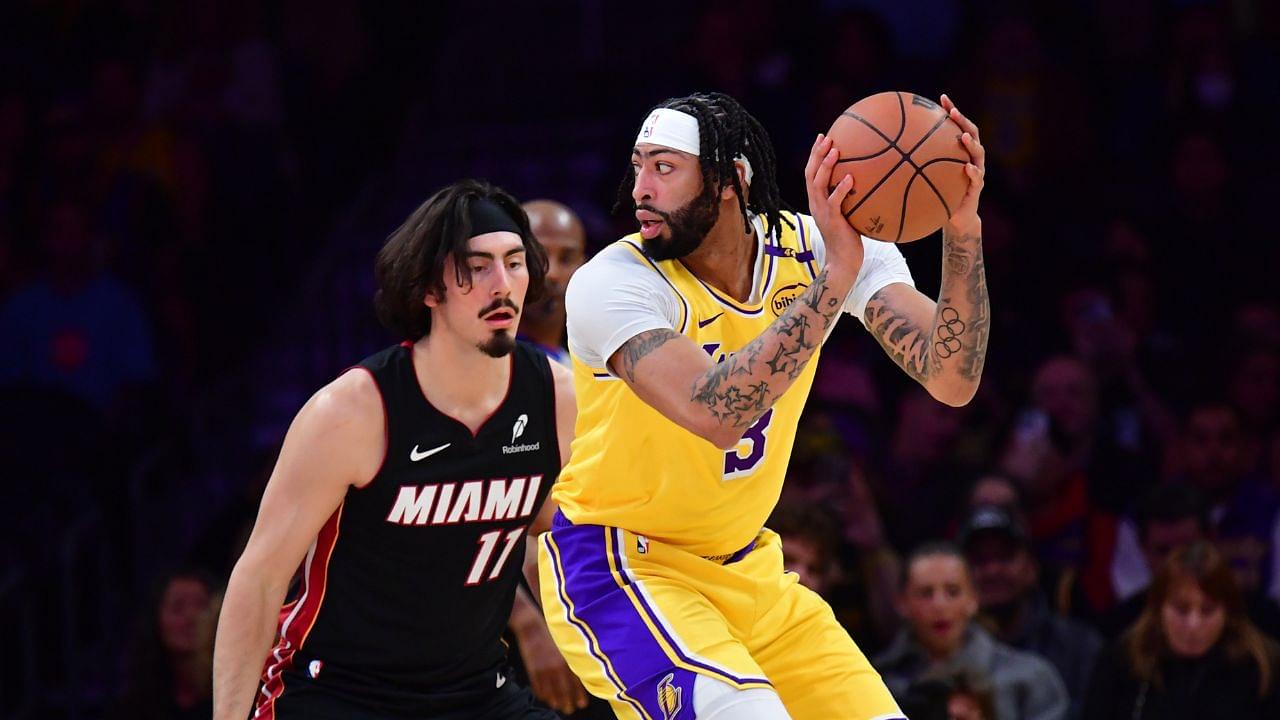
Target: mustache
666,217
498,305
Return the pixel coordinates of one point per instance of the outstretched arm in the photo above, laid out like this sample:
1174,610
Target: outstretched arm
943,344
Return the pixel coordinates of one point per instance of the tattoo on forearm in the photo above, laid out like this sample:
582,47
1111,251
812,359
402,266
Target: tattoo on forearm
950,328
640,346
905,341
974,354
783,351
958,259
959,328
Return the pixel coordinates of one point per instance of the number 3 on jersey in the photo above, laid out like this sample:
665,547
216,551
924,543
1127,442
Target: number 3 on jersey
743,460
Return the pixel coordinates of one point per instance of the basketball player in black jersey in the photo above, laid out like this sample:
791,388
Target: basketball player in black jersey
405,489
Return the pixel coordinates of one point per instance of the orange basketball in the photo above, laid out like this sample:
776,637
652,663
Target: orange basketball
907,163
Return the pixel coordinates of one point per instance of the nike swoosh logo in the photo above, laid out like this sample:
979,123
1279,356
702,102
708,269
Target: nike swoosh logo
415,456
501,681
708,321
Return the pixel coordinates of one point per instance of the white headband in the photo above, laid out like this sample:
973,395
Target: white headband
678,131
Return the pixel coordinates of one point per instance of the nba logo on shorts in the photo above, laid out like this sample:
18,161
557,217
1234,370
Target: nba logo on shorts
642,544
313,669
669,697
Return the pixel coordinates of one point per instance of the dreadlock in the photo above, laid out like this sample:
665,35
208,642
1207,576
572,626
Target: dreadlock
726,130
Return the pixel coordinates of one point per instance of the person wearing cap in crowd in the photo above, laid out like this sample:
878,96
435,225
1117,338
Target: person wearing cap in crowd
939,603
1007,577
694,344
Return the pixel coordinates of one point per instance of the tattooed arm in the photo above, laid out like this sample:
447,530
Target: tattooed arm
943,344
719,401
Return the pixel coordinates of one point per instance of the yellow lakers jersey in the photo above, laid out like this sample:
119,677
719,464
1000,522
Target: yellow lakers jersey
633,468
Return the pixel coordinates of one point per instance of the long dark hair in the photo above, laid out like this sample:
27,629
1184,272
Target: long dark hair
148,687
1202,564
725,131
411,263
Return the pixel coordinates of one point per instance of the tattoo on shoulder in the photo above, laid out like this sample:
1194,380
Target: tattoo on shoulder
633,350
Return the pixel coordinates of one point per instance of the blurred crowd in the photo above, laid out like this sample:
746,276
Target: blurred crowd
1096,535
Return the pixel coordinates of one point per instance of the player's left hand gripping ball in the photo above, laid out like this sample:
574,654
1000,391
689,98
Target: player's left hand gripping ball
965,218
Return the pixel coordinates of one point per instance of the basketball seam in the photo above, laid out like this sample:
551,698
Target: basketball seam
920,170
934,188
892,142
906,192
902,216
906,157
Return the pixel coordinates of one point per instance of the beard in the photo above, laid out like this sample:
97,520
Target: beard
501,344
503,341
689,226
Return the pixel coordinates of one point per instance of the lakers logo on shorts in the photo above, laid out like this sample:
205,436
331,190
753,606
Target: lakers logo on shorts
669,697
784,296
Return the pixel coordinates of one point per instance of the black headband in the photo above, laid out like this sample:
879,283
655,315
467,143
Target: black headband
487,216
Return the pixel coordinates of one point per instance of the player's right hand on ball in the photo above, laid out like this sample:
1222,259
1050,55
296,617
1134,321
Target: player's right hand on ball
844,244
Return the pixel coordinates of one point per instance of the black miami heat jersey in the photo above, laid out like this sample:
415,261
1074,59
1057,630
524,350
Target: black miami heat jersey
410,582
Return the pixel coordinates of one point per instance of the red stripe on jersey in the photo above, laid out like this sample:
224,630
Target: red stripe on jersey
298,617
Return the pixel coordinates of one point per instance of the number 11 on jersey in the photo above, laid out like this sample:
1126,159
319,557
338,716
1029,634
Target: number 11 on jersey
488,542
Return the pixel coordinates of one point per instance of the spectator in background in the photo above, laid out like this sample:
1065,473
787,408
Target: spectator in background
1109,331
1193,653
1171,516
1000,491
1006,576
560,231
1074,472
861,591
1244,508
939,603
922,462
810,543
171,664
1255,389
957,694
77,328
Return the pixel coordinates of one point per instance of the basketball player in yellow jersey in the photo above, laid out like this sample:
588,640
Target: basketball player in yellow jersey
693,344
